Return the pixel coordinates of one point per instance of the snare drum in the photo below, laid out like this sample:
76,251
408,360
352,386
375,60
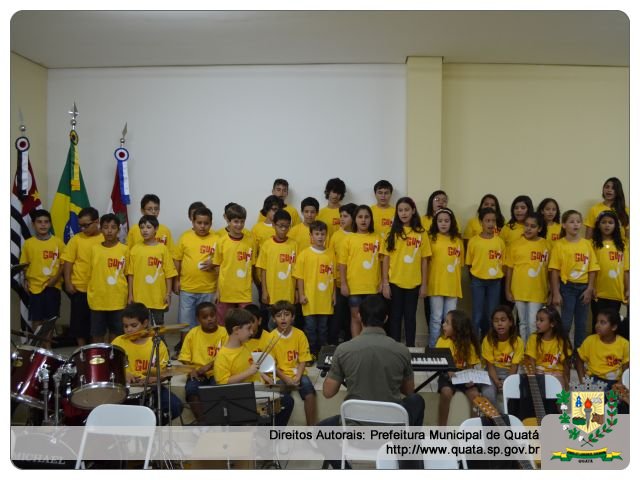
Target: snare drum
268,403
136,392
100,375
26,362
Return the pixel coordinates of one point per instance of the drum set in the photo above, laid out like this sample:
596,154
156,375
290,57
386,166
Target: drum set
93,375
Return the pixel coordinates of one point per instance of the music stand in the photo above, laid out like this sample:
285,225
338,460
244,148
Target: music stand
228,404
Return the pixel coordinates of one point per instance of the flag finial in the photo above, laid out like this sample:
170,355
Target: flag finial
23,127
124,135
74,113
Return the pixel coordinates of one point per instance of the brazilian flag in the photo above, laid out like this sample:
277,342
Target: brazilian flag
71,196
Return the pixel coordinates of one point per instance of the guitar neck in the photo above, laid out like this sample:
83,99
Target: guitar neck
536,398
524,464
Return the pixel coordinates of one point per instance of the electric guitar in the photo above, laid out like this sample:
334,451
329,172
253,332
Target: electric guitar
536,396
487,408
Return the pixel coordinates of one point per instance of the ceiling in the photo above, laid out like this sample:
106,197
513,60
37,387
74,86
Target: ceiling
82,39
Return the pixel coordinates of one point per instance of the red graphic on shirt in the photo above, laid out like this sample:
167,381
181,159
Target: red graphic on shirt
115,262
243,256
208,249
335,221
141,365
413,242
387,222
551,359
453,251
286,258
50,254
555,236
212,350
612,361
581,258
540,256
504,357
292,355
369,247
153,261
616,256
495,254
328,269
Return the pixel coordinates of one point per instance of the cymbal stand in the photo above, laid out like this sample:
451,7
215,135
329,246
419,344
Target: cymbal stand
66,370
43,377
155,354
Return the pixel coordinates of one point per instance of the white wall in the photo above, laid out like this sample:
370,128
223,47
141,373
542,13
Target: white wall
221,134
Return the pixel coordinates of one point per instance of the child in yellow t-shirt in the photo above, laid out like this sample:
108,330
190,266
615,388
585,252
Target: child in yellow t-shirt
605,354
405,252
474,225
315,273
549,348
150,205
436,201
43,276
459,336
76,258
199,349
521,207
234,259
150,271
291,353
334,193
135,317
612,199
359,264
502,351
383,211
485,254
300,232
259,336
262,231
549,211
281,190
107,291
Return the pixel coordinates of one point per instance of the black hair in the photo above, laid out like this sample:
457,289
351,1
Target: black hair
619,202
498,212
281,215
202,212
310,202
433,195
397,228
348,207
520,199
282,305
109,217
90,212
612,316
492,335
618,239
236,317
556,329
41,212
254,310
383,184
542,225
203,305
337,186
270,202
235,211
543,204
486,211
565,218
354,227
453,229
136,310
194,206
465,337
318,225
373,311
149,197
149,219
280,181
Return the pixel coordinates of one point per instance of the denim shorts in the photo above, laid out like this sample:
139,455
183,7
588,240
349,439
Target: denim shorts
356,300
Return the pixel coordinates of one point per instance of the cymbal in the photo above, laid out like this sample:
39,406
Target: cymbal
276,387
21,333
157,330
174,370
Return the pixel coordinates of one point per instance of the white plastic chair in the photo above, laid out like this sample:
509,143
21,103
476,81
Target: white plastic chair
511,388
124,416
625,378
475,422
268,364
384,460
368,412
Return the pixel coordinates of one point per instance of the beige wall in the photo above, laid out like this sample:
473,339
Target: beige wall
29,93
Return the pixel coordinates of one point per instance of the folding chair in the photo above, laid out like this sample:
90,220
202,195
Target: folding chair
367,412
511,388
124,416
625,378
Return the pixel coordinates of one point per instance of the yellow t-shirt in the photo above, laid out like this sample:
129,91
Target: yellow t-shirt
223,231
604,360
295,218
190,251
330,216
503,355
78,252
163,235
277,260
138,355
405,261
108,289
382,218
597,209
232,361
486,257
317,269
291,350
474,227
445,267
150,266
574,260
235,258
529,260
510,235
261,232
335,244
553,231
258,344
301,235
200,348
44,259
460,363
428,221
550,357
360,254
610,277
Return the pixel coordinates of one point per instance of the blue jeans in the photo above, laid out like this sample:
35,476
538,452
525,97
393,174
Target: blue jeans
404,302
188,304
574,309
316,328
192,385
440,306
485,295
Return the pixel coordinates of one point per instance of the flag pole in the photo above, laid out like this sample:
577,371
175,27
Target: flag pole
74,113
